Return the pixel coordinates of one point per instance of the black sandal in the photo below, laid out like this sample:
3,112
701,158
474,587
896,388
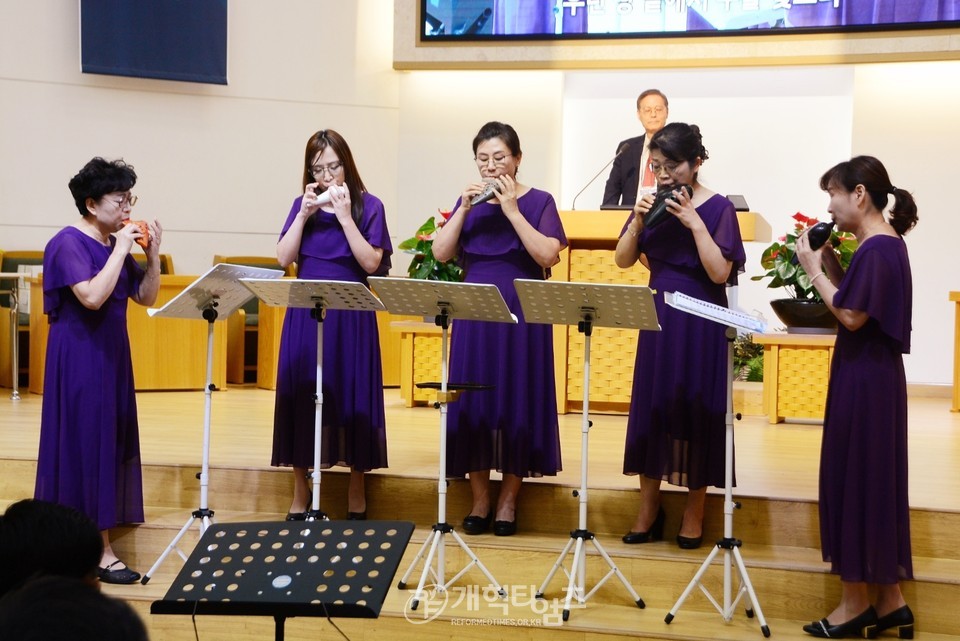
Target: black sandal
120,576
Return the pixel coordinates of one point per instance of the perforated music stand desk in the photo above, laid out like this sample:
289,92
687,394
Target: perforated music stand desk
445,300
586,305
319,296
290,569
216,294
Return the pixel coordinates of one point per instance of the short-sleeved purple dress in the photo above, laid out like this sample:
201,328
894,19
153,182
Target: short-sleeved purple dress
864,507
354,427
513,427
675,429
89,437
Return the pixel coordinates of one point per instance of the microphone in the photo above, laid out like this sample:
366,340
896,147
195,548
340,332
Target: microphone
479,23
622,149
658,213
486,194
818,235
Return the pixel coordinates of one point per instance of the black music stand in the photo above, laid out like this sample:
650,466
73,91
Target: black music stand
287,569
586,305
318,296
730,546
215,294
469,301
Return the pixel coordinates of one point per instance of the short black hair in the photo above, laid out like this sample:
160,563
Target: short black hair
99,177
57,607
504,132
39,538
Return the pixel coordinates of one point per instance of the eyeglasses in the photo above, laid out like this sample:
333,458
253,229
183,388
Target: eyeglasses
498,161
649,111
670,167
128,200
333,169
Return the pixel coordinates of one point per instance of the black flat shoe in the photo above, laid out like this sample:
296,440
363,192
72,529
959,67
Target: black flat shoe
123,576
505,528
901,619
357,516
864,626
688,543
477,524
655,533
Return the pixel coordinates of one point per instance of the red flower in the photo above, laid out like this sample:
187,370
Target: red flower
423,237
446,214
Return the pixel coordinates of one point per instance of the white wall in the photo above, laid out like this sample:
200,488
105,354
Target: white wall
908,115
219,165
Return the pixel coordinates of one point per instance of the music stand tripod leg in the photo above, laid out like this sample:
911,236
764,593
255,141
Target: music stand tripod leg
203,513
729,545
578,537
442,528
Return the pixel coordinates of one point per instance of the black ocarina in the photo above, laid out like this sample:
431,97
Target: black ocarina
818,235
658,213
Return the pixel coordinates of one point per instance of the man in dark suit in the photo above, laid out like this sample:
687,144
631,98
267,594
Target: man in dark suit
631,167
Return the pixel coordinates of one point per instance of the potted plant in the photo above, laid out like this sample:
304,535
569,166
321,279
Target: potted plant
424,266
804,311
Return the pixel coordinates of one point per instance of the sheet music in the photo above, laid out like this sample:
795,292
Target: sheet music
716,313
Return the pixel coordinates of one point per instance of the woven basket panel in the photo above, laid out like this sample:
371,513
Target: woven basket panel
599,266
612,350
426,365
802,382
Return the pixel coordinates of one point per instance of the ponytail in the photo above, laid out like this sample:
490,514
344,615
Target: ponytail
903,216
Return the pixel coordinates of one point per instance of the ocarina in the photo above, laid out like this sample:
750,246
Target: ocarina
818,235
658,213
327,196
144,240
486,194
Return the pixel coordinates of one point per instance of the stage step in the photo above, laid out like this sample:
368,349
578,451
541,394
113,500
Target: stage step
780,550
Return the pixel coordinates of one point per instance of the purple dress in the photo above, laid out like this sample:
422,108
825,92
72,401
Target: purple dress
864,509
89,437
513,427
354,428
677,421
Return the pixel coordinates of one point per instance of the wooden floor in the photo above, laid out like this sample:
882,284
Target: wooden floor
774,461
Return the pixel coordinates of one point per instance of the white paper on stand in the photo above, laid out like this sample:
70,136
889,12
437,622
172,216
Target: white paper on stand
716,313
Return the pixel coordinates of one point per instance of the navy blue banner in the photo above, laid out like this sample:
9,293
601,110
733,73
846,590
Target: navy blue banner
167,39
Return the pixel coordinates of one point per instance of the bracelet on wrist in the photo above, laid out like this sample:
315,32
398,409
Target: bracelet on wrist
814,279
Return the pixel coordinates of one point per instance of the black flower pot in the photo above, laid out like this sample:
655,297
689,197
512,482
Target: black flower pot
805,316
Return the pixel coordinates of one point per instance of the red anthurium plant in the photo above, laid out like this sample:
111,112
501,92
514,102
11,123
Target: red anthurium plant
424,266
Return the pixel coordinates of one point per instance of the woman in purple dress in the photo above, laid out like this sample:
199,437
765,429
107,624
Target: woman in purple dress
512,428
336,230
89,455
676,427
864,508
